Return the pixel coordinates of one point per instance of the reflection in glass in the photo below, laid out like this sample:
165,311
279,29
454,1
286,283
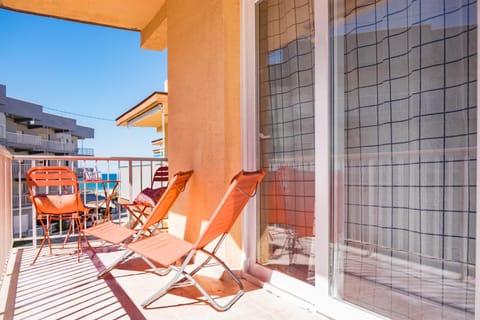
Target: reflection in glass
285,112
404,106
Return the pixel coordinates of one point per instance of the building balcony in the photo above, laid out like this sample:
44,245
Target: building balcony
34,143
85,151
58,286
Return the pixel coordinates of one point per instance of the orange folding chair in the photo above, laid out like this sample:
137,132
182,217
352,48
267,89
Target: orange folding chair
55,196
118,235
148,197
166,249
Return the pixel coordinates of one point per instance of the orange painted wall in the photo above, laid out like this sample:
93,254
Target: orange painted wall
204,108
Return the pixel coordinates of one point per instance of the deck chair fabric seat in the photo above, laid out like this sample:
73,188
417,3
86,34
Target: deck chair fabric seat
167,250
119,235
111,232
164,248
116,234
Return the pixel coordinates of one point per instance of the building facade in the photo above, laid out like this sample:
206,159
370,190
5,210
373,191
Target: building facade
365,115
26,129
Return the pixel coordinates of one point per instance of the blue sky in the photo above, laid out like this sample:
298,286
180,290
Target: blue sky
85,70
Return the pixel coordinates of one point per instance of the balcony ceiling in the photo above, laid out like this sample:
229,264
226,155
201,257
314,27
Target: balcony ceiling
145,16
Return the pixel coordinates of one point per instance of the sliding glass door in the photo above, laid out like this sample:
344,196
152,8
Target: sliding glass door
404,132
385,221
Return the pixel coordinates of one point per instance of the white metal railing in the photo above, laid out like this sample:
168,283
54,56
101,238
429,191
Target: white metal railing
24,139
57,146
134,174
6,236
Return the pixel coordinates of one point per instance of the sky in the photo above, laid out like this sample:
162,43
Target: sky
89,73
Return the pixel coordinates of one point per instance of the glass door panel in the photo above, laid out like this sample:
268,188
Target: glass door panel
404,148
286,148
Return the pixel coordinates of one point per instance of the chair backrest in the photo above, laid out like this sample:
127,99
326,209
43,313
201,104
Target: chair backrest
54,190
242,188
160,175
175,187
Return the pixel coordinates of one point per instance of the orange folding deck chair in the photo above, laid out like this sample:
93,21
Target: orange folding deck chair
118,235
166,249
148,197
55,196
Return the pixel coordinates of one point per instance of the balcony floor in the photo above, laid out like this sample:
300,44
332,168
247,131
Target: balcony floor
58,287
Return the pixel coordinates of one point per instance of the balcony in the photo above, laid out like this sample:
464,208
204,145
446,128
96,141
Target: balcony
58,286
21,141
85,151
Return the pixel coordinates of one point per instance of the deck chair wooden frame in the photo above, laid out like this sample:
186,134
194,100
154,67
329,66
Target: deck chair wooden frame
139,210
54,193
166,249
119,235
160,175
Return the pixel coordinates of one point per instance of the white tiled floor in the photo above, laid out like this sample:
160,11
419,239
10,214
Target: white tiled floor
58,287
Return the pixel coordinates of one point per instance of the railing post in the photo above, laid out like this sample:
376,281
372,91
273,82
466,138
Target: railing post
20,206
130,179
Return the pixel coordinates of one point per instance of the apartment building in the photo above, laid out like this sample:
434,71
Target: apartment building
26,129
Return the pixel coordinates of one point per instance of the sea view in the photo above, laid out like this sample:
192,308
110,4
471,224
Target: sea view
94,186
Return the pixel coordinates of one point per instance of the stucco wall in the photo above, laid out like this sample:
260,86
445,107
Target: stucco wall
204,109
